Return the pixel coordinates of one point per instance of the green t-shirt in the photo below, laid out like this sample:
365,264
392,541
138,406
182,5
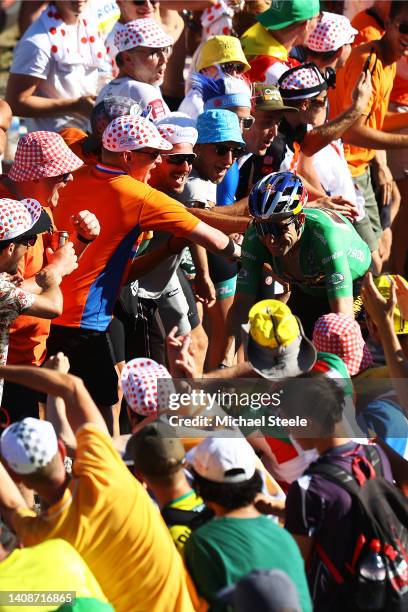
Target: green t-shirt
225,549
331,256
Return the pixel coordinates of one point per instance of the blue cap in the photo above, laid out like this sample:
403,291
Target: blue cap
218,126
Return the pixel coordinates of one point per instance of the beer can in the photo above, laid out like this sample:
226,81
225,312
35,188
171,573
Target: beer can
58,239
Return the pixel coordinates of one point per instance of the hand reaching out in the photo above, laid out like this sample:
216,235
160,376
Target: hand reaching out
181,361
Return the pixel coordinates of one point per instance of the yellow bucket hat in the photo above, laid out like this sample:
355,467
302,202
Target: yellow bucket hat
220,50
383,284
276,344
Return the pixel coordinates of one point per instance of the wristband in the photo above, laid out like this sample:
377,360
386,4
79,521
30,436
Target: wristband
84,240
229,250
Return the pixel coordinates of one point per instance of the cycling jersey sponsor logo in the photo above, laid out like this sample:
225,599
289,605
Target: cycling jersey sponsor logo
335,279
356,254
320,237
333,256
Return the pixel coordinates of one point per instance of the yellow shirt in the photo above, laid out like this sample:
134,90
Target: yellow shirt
259,41
50,566
110,520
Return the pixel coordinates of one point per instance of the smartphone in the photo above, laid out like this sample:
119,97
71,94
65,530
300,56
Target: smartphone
368,60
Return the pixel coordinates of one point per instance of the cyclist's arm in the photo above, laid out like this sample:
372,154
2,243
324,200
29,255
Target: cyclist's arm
253,256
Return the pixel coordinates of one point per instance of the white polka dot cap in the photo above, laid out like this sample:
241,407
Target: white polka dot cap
42,155
22,217
28,445
302,82
332,32
142,33
130,133
146,386
178,128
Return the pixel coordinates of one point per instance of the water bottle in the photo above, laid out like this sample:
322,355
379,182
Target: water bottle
371,588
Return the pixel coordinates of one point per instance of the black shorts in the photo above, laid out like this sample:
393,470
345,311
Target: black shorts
19,402
91,356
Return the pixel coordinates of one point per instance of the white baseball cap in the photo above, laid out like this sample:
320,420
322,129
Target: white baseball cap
228,460
141,33
28,445
332,32
130,133
178,128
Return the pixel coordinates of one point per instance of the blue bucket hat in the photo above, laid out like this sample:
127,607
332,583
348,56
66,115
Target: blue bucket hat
218,125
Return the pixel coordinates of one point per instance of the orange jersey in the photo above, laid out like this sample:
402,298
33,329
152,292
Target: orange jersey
28,335
369,28
125,208
358,158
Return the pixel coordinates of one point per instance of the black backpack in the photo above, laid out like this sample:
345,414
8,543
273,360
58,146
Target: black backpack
193,519
380,513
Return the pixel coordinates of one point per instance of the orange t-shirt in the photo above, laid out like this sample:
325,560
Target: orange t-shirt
370,29
28,335
75,138
125,208
358,158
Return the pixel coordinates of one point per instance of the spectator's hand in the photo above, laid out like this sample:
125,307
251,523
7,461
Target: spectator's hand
205,290
84,105
401,289
385,244
268,505
48,277
339,204
362,92
237,238
181,361
63,260
59,362
385,184
378,308
86,225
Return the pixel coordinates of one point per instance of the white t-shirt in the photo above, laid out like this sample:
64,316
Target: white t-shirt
334,174
192,105
33,57
143,93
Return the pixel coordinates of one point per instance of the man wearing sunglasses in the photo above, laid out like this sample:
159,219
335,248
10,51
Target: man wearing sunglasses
143,51
42,168
21,222
315,254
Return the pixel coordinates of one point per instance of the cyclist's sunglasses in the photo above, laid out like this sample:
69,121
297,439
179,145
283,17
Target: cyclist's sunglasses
233,67
177,159
266,228
223,150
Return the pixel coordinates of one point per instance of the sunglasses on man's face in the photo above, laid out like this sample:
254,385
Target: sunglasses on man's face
223,150
29,241
402,27
153,154
246,122
265,228
142,2
177,159
229,67
63,178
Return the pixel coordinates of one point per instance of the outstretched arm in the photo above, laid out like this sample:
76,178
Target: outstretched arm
80,407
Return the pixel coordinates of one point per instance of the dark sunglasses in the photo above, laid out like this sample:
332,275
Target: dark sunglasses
266,228
142,2
29,241
223,150
402,27
246,122
152,154
63,178
319,103
232,67
177,159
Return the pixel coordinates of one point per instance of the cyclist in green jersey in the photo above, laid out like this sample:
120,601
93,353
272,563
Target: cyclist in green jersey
311,252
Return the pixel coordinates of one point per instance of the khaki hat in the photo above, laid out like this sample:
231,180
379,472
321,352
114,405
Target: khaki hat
156,450
276,344
221,50
268,98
